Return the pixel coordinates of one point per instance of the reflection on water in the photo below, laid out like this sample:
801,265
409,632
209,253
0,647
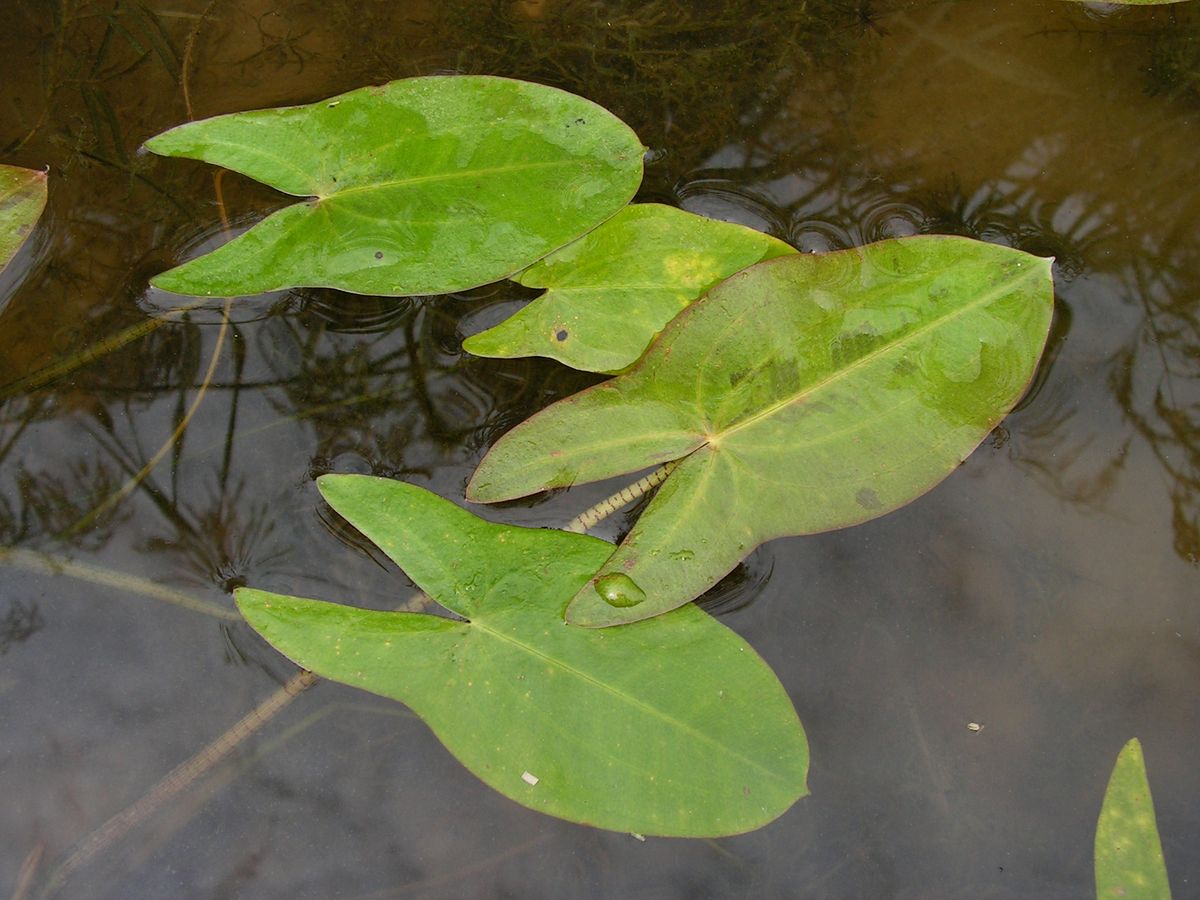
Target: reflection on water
1046,590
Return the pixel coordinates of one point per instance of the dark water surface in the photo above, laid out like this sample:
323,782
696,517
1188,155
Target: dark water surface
1048,590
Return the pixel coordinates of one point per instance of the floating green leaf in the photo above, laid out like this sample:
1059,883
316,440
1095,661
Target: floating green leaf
802,394
612,291
425,185
1129,857
22,199
672,727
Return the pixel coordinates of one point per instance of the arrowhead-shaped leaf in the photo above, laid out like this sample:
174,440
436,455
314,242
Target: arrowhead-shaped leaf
1129,857
671,727
22,199
802,394
610,293
421,186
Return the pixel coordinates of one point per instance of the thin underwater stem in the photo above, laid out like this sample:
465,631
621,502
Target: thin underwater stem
181,777
185,67
195,767
58,565
27,871
101,348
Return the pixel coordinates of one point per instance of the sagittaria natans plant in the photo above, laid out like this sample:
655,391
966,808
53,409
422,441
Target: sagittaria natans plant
772,393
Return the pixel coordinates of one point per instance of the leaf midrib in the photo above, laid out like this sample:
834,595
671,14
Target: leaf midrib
864,361
307,176
447,176
627,698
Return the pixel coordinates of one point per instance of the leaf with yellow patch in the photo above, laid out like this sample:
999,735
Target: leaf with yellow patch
610,293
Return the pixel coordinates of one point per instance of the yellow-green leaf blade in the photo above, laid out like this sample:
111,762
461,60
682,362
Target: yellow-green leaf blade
22,199
610,293
424,185
671,727
1129,857
824,391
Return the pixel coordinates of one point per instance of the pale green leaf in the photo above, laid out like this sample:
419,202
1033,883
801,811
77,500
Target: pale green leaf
805,393
1129,857
610,293
672,727
22,199
425,185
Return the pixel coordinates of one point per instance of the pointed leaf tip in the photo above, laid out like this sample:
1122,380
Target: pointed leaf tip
1128,852
23,194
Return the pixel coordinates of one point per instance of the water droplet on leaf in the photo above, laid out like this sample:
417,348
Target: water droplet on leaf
619,590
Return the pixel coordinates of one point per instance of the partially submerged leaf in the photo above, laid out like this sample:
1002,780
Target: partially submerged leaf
805,393
425,185
22,199
670,727
610,293
1129,857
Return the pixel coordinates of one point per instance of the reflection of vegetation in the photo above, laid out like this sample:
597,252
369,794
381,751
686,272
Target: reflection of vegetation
49,503
1009,215
218,538
86,46
684,75
1157,381
18,624
1174,67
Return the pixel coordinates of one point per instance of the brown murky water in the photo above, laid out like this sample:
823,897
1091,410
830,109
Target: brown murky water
1049,590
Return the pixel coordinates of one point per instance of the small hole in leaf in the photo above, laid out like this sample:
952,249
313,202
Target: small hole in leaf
379,254
561,334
